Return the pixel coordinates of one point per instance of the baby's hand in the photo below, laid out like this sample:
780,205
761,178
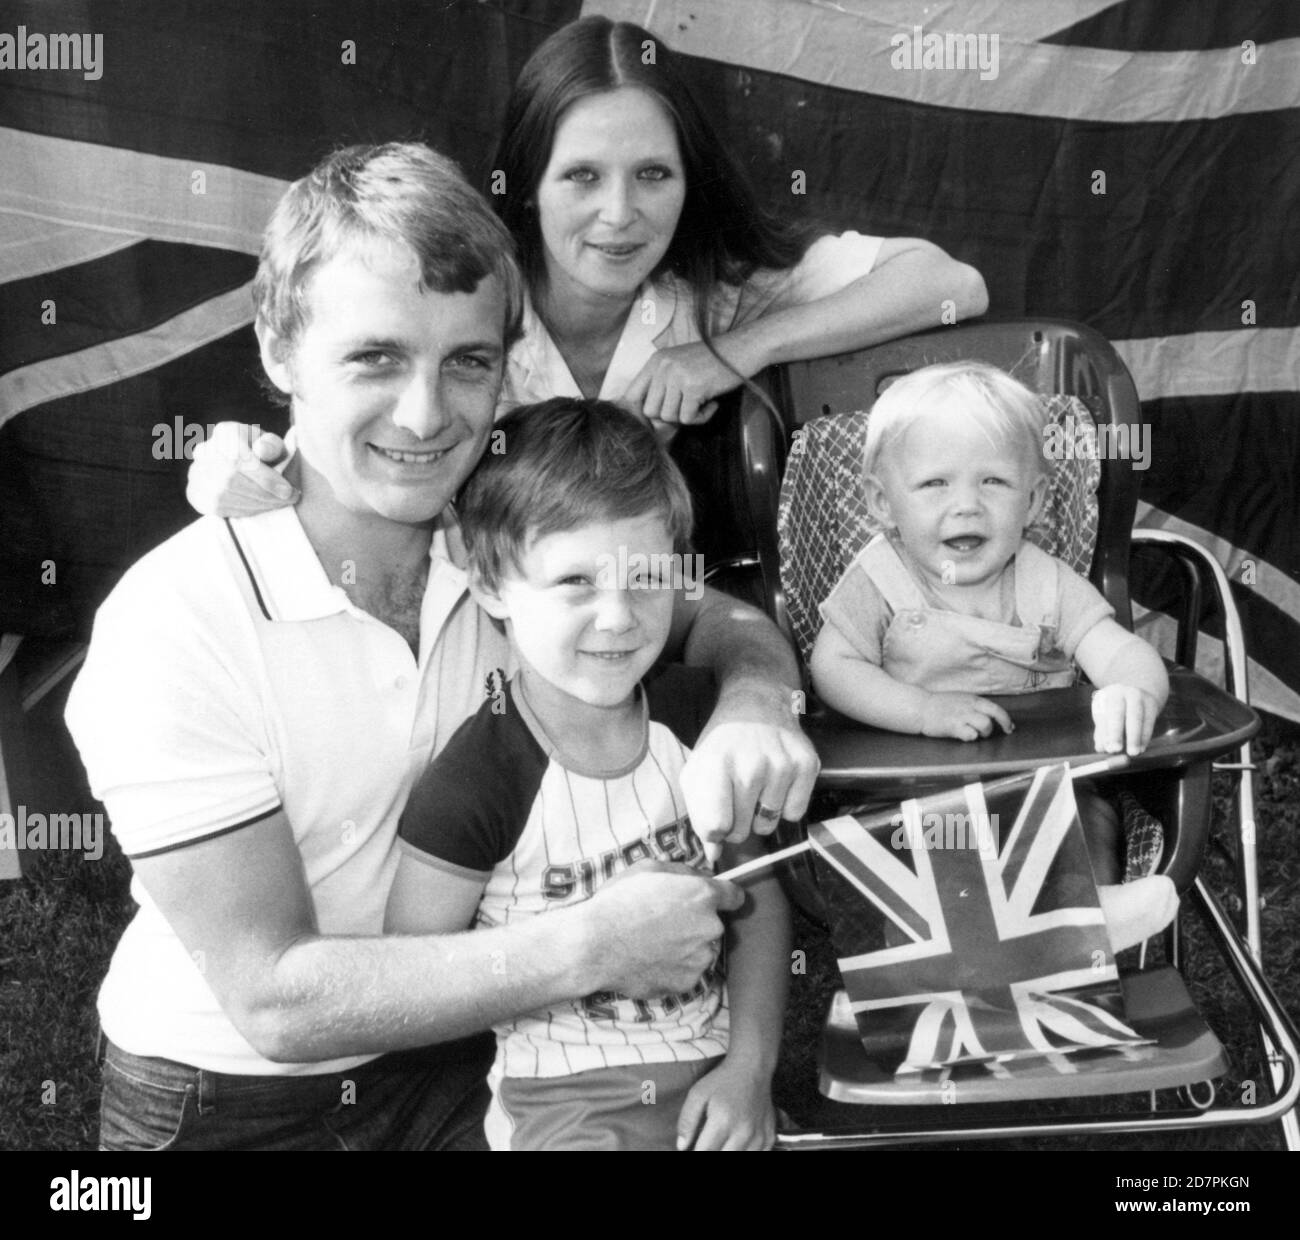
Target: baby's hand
231,477
1124,717
962,715
730,1109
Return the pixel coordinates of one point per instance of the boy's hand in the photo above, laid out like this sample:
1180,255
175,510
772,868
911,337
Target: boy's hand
232,477
730,1109
1124,718
962,715
655,927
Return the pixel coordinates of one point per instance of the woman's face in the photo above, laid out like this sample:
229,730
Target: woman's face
610,197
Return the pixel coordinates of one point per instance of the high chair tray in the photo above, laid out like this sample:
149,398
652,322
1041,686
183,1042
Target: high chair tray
1199,722
1156,1004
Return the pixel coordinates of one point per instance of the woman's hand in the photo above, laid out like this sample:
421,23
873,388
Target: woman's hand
231,474
730,1109
680,384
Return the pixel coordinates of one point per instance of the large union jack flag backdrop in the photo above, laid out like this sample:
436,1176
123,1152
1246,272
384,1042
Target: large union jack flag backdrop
968,927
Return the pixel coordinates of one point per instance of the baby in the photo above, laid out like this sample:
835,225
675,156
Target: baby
952,603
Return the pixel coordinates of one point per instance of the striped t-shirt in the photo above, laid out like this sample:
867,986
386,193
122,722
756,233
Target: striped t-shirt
498,804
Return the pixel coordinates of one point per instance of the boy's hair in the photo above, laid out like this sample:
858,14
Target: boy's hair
398,192
565,463
998,404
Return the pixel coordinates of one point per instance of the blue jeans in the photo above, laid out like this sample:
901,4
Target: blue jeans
426,1099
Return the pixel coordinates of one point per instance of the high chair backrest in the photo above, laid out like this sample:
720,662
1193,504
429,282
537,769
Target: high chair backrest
822,518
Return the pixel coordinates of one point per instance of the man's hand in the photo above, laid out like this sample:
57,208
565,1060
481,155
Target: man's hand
1124,718
964,716
730,1109
655,927
231,474
751,767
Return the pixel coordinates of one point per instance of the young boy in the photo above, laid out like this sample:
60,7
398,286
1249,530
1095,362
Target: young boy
568,775
951,603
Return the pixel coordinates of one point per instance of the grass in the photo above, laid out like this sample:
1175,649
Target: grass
60,926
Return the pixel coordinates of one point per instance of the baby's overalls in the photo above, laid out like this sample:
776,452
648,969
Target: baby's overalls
948,652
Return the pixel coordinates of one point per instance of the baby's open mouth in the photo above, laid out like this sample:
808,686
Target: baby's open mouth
965,542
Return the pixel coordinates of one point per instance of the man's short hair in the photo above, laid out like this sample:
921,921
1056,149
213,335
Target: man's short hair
398,192
1001,406
559,465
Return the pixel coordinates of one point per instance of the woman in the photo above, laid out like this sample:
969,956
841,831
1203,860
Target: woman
654,277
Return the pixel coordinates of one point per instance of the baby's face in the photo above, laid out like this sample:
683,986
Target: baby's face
959,498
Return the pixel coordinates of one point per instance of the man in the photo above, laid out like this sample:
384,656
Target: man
261,693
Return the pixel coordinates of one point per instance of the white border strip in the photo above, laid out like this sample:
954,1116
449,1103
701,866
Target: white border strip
1025,22
112,189
1251,359
32,247
852,51
1266,691
71,373
1267,580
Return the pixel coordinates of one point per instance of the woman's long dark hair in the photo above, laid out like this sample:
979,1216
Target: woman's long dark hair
723,234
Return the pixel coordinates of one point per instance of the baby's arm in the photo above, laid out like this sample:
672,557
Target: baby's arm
1132,686
731,1108
866,692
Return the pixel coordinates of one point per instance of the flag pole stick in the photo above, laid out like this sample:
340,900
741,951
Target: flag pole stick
744,870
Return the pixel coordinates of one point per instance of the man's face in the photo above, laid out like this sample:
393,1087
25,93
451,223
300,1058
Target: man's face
393,389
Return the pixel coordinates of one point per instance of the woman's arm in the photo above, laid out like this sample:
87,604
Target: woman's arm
912,286
232,473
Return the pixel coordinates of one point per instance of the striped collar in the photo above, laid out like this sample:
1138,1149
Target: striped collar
290,585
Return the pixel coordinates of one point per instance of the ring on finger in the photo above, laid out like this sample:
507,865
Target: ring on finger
766,814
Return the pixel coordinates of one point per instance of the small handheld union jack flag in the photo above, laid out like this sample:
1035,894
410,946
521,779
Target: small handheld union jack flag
968,927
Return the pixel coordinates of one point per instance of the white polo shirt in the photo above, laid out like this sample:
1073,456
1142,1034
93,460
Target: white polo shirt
226,679
663,315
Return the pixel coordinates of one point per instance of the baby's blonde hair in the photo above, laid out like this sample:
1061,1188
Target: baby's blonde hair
998,404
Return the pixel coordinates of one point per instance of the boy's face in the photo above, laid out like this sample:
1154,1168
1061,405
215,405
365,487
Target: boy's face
393,389
583,629
959,498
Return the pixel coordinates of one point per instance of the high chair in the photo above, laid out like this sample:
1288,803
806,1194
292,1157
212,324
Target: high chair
794,464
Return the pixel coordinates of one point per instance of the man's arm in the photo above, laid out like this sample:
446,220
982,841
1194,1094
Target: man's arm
752,752
240,905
